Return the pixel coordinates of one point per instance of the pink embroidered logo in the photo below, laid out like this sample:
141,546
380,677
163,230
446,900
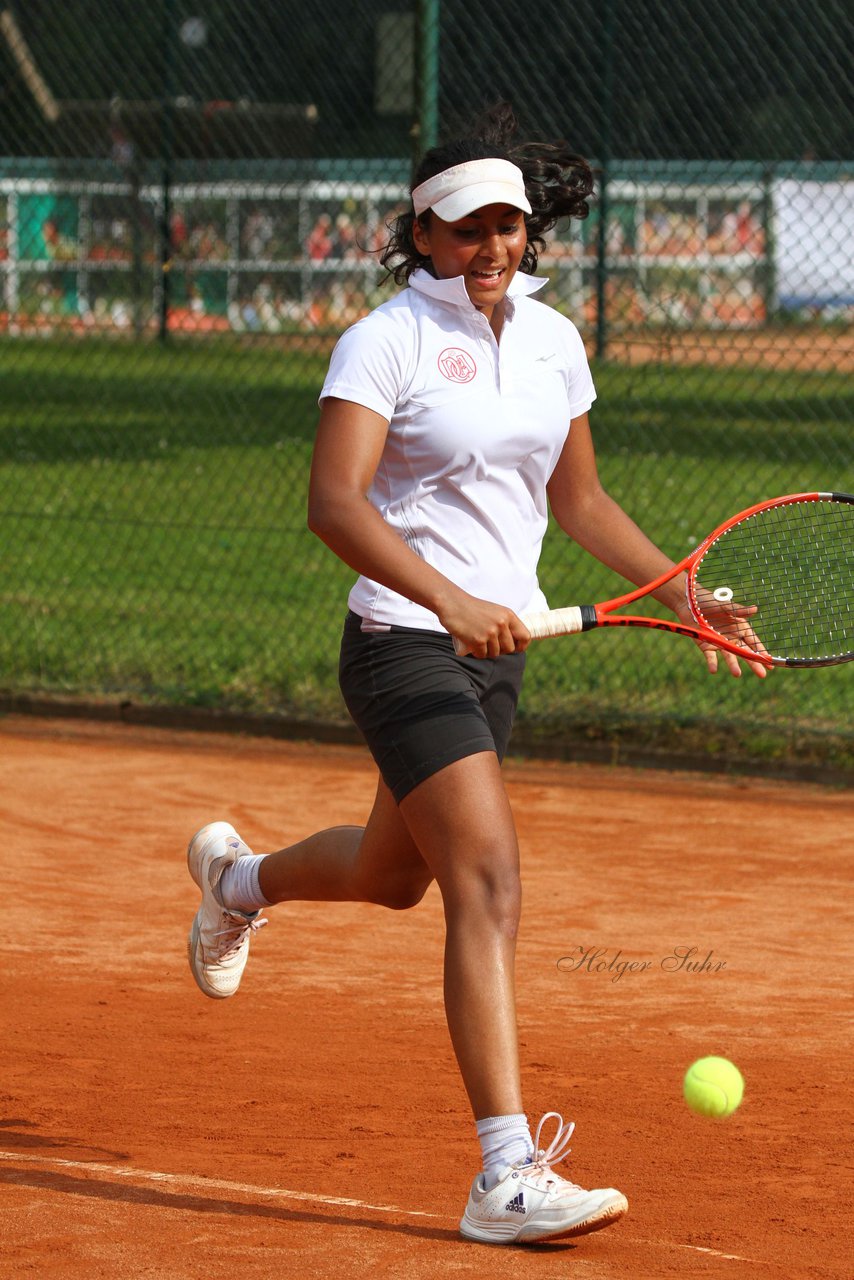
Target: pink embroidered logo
456,365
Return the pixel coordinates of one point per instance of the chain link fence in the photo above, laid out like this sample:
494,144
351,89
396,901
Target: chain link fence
192,197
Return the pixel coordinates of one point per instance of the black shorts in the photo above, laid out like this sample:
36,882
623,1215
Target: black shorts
419,706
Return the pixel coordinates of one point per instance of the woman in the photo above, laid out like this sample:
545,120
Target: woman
452,418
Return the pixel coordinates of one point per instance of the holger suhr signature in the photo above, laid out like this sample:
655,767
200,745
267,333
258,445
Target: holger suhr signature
682,959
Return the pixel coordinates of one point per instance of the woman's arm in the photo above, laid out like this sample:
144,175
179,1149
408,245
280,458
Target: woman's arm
347,452
597,523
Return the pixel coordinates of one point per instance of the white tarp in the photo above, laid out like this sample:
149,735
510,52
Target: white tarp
814,243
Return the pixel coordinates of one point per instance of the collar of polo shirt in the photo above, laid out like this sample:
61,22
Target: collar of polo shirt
454,290
458,191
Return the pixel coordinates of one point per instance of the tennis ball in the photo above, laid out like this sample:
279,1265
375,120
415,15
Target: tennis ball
713,1087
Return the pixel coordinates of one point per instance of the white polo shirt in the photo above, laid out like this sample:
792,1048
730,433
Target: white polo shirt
475,430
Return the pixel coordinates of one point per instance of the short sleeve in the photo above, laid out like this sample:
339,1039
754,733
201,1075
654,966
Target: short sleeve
369,365
580,389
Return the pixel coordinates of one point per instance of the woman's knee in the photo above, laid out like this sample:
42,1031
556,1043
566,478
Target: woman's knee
487,894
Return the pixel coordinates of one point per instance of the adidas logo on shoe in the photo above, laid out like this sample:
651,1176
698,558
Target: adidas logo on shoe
517,1204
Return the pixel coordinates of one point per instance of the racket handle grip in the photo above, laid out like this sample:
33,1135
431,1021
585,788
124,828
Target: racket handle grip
555,622
551,622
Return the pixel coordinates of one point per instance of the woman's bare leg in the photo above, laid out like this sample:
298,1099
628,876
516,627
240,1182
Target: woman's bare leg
456,827
461,821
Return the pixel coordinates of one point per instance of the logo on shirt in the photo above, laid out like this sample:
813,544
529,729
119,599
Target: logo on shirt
456,365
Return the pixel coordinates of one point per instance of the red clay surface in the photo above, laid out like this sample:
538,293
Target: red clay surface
315,1125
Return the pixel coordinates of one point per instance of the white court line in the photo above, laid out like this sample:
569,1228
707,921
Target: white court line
698,1248
731,1257
186,1181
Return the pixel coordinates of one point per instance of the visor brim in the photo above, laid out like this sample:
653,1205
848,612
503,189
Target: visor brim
459,204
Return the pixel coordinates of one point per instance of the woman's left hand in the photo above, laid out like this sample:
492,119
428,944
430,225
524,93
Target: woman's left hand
732,620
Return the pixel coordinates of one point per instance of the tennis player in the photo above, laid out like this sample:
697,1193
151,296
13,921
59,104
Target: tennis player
452,418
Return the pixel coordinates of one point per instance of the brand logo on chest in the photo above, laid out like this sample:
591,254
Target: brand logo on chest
456,365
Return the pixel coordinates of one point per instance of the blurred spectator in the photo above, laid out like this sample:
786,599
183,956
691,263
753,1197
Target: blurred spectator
258,233
206,244
346,246
178,232
319,244
57,246
739,231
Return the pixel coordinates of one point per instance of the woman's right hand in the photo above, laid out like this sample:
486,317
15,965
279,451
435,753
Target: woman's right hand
482,628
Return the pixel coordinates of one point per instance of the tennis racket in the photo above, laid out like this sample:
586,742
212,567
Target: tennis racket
791,557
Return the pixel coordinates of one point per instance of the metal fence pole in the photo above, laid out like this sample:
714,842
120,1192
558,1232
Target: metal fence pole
608,40
166,147
427,75
769,274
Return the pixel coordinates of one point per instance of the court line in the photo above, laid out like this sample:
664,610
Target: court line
699,1248
182,1181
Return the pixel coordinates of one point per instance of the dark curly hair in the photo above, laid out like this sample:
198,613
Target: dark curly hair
558,183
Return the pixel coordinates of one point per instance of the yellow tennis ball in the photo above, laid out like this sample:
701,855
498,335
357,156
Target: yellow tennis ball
713,1087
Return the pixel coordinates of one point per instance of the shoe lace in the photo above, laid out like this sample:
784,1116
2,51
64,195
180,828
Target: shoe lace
235,931
557,1150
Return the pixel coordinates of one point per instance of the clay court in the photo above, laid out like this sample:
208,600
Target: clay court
315,1125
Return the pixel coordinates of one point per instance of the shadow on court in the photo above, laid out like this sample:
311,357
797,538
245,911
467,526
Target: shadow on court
12,1136
98,1189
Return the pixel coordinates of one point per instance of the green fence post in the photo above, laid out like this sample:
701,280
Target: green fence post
426,131
769,270
167,130
608,39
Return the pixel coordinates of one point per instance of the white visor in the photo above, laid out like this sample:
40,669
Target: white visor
456,192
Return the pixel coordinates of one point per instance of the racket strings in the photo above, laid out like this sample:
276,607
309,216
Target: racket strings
795,562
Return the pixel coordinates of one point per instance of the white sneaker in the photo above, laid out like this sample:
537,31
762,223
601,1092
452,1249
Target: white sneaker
532,1202
218,944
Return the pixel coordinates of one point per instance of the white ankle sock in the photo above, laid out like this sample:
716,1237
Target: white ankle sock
238,886
503,1140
